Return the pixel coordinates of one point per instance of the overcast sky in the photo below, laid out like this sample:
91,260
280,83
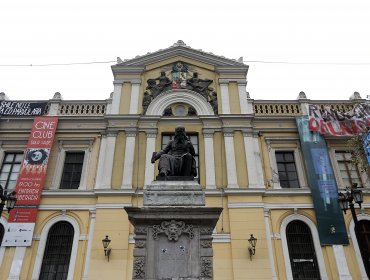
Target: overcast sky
330,37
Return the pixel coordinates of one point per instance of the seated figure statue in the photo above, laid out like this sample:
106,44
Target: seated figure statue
177,158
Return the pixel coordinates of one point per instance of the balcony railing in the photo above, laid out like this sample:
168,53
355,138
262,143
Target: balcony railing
82,108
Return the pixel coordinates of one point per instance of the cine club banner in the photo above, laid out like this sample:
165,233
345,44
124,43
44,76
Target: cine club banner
31,179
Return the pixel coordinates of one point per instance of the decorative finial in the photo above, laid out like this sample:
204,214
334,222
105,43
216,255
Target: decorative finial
3,96
240,59
355,95
119,60
57,95
179,43
302,95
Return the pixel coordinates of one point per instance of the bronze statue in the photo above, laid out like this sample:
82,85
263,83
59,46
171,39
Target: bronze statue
199,85
147,99
164,83
177,158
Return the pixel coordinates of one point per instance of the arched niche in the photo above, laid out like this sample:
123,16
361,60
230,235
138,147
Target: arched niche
165,99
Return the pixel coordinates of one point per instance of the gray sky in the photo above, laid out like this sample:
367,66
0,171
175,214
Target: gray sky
314,32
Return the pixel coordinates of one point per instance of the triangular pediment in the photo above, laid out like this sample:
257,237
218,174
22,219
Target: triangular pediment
221,64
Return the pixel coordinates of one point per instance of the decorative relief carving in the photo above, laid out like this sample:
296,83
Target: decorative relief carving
139,268
139,244
206,269
173,229
206,230
206,243
141,230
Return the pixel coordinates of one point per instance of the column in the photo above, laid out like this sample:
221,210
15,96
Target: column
128,165
269,244
150,148
134,101
253,157
340,259
232,181
116,98
245,106
15,269
105,161
224,86
54,104
209,159
89,245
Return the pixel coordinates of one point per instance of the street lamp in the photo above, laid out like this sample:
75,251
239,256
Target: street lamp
9,198
346,199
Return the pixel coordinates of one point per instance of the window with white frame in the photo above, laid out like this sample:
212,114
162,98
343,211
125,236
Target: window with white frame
286,163
72,170
72,166
349,173
287,170
10,169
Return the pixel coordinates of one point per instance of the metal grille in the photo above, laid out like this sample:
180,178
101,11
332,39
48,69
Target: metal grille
10,170
363,238
302,251
57,253
288,176
2,231
166,138
72,170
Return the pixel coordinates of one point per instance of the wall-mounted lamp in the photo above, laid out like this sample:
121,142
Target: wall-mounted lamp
107,250
252,246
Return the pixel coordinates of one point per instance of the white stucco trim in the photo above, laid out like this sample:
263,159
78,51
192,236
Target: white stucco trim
42,244
89,245
209,160
165,99
17,263
4,223
316,242
116,98
224,87
341,261
254,161
355,245
128,165
149,167
232,179
134,102
266,215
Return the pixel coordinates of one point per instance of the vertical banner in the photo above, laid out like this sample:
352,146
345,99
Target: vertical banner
30,182
330,221
366,144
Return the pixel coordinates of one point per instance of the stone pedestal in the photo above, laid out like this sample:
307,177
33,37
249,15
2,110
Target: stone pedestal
173,233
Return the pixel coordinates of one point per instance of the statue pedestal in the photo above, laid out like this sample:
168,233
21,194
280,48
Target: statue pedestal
173,233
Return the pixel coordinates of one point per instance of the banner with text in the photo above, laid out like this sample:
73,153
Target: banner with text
329,216
30,182
20,108
335,123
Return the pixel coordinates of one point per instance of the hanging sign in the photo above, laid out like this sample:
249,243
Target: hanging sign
30,182
329,216
18,108
335,123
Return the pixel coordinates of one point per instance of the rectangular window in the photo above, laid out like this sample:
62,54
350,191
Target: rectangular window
166,138
349,172
10,170
72,170
287,170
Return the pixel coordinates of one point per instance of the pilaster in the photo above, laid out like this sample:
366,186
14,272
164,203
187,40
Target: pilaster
134,101
225,101
106,157
244,101
89,244
340,259
232,181
209,158
151,136
128,165
116,98
253,157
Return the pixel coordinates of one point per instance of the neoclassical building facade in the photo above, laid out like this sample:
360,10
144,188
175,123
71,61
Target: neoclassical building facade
249,160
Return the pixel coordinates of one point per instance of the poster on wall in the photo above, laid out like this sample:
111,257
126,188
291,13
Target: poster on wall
30,182
324,190
336,123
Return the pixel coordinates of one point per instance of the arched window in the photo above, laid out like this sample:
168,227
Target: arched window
2,231
57,253
302,253
363,239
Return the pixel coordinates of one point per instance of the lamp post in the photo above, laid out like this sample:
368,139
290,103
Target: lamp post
346,200
9,198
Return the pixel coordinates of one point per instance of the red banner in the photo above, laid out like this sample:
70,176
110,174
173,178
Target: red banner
335,123
30,182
